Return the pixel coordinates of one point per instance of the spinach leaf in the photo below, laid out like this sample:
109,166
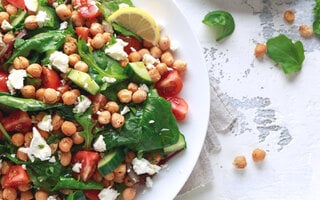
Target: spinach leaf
289,55
120,29
108,7
222,21
71,183
84,119
78,195
316,22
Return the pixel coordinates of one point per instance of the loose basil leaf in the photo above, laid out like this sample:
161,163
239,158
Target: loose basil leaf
289,55
316,22
222,21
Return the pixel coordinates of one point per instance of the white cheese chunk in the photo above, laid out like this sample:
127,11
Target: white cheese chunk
108,194
41,18
149,61
63,25
125,110
116,50
99,145
108,79
143,166
149,182
16,79
60,61
46,123
82,104
5,25
77,167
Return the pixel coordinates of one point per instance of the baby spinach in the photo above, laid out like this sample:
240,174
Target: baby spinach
316,22
289,55
222,21
73,184
78,195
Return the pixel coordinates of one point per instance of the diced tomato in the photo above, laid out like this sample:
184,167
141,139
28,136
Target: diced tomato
133,43
50,78
170,84
89,161
87,8
18,121
179,107
83,32
3,81
17,3
92,194
15,177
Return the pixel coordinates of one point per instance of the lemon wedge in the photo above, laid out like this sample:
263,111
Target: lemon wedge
137,21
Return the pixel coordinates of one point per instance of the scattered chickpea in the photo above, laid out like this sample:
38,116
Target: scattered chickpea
4,16
9,193
107,183
134,56
133,87
260,50
76,91
104,117
143,51
120,171
124,96
50,95
305,31
162,68
156,52
167,58
130,155
96,28
147,44
23,188
81,66
154,75
128,181
28,91
27,138
40,94
65,144
69,98
21,155
117,120
106,36
164,43
139,96
258,155
109,177
77,138
74,58
119,179
112,107
30,22
71,39
129,193
8,38
11,10
69,48
240,162
124,62
180,66
34,70
27,195
17,139
20,62
5,167
154,158
289,16
63,12
76,19
53,147
65,158
41,195
68,128
98,41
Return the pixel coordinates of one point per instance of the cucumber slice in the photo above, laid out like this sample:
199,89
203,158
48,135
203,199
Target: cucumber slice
52,19
138,73
181,144
84,81
110,161
18,19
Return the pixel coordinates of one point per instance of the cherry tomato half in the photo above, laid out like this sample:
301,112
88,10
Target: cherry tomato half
89,161
133,43
83,32
18,121
50,78
3,81
179,107
15,177
17,3
87,8
170,84
92,194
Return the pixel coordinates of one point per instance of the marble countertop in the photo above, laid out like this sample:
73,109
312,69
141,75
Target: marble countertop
276,112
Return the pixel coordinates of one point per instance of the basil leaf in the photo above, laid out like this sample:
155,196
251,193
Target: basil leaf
289,55
222,21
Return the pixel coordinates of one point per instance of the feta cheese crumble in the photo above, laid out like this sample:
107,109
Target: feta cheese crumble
46,123
149,182
16,79
108,79
63,25
41,18
38,147
5,25
125,110
116,50
108,194
99,144
143,166
82,104
77,167
149,60
60,61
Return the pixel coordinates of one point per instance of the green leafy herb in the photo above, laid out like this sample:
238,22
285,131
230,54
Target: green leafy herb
316,22
289,55
71,183
78,195
222,21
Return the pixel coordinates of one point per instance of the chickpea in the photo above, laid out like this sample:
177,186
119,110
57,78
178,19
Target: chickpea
76,19
289,16
28,91
27,195
65,158
107,183
11,10
106,36
50,95
21,155
71,39
53,147
124,62
133,87
147,44
41,195
20,62
167,58
8,38
156,52
162,68
65,144
5,167
104,117
23,188
34,70
27,138
128,181
69,98
74,58
164,43
143,51
258,155
117,120
40,116
69,48
76,91
112,107
56,121
63,12
129,193
154,75
154,158
4,16
9,193
240,162
17,139
68,128
81,66
44,134
120,171
130,155
109,177
134,56
305,31
180,66
139,96
119,179
30,22
96,28
40,94
77,138
124,95
260,50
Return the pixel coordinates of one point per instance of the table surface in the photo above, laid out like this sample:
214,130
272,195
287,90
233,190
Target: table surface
276,112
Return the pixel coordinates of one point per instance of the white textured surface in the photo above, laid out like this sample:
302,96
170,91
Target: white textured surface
276,112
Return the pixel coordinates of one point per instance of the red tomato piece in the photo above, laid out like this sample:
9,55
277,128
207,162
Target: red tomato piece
170,84
15,177
87,8
17,3
92,194
18,121
3,81
89,161
50,78
179,107
83,32
133,43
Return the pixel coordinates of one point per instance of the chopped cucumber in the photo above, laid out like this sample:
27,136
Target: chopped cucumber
138,72
17,20
52,19
84,81
181,144
110,161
